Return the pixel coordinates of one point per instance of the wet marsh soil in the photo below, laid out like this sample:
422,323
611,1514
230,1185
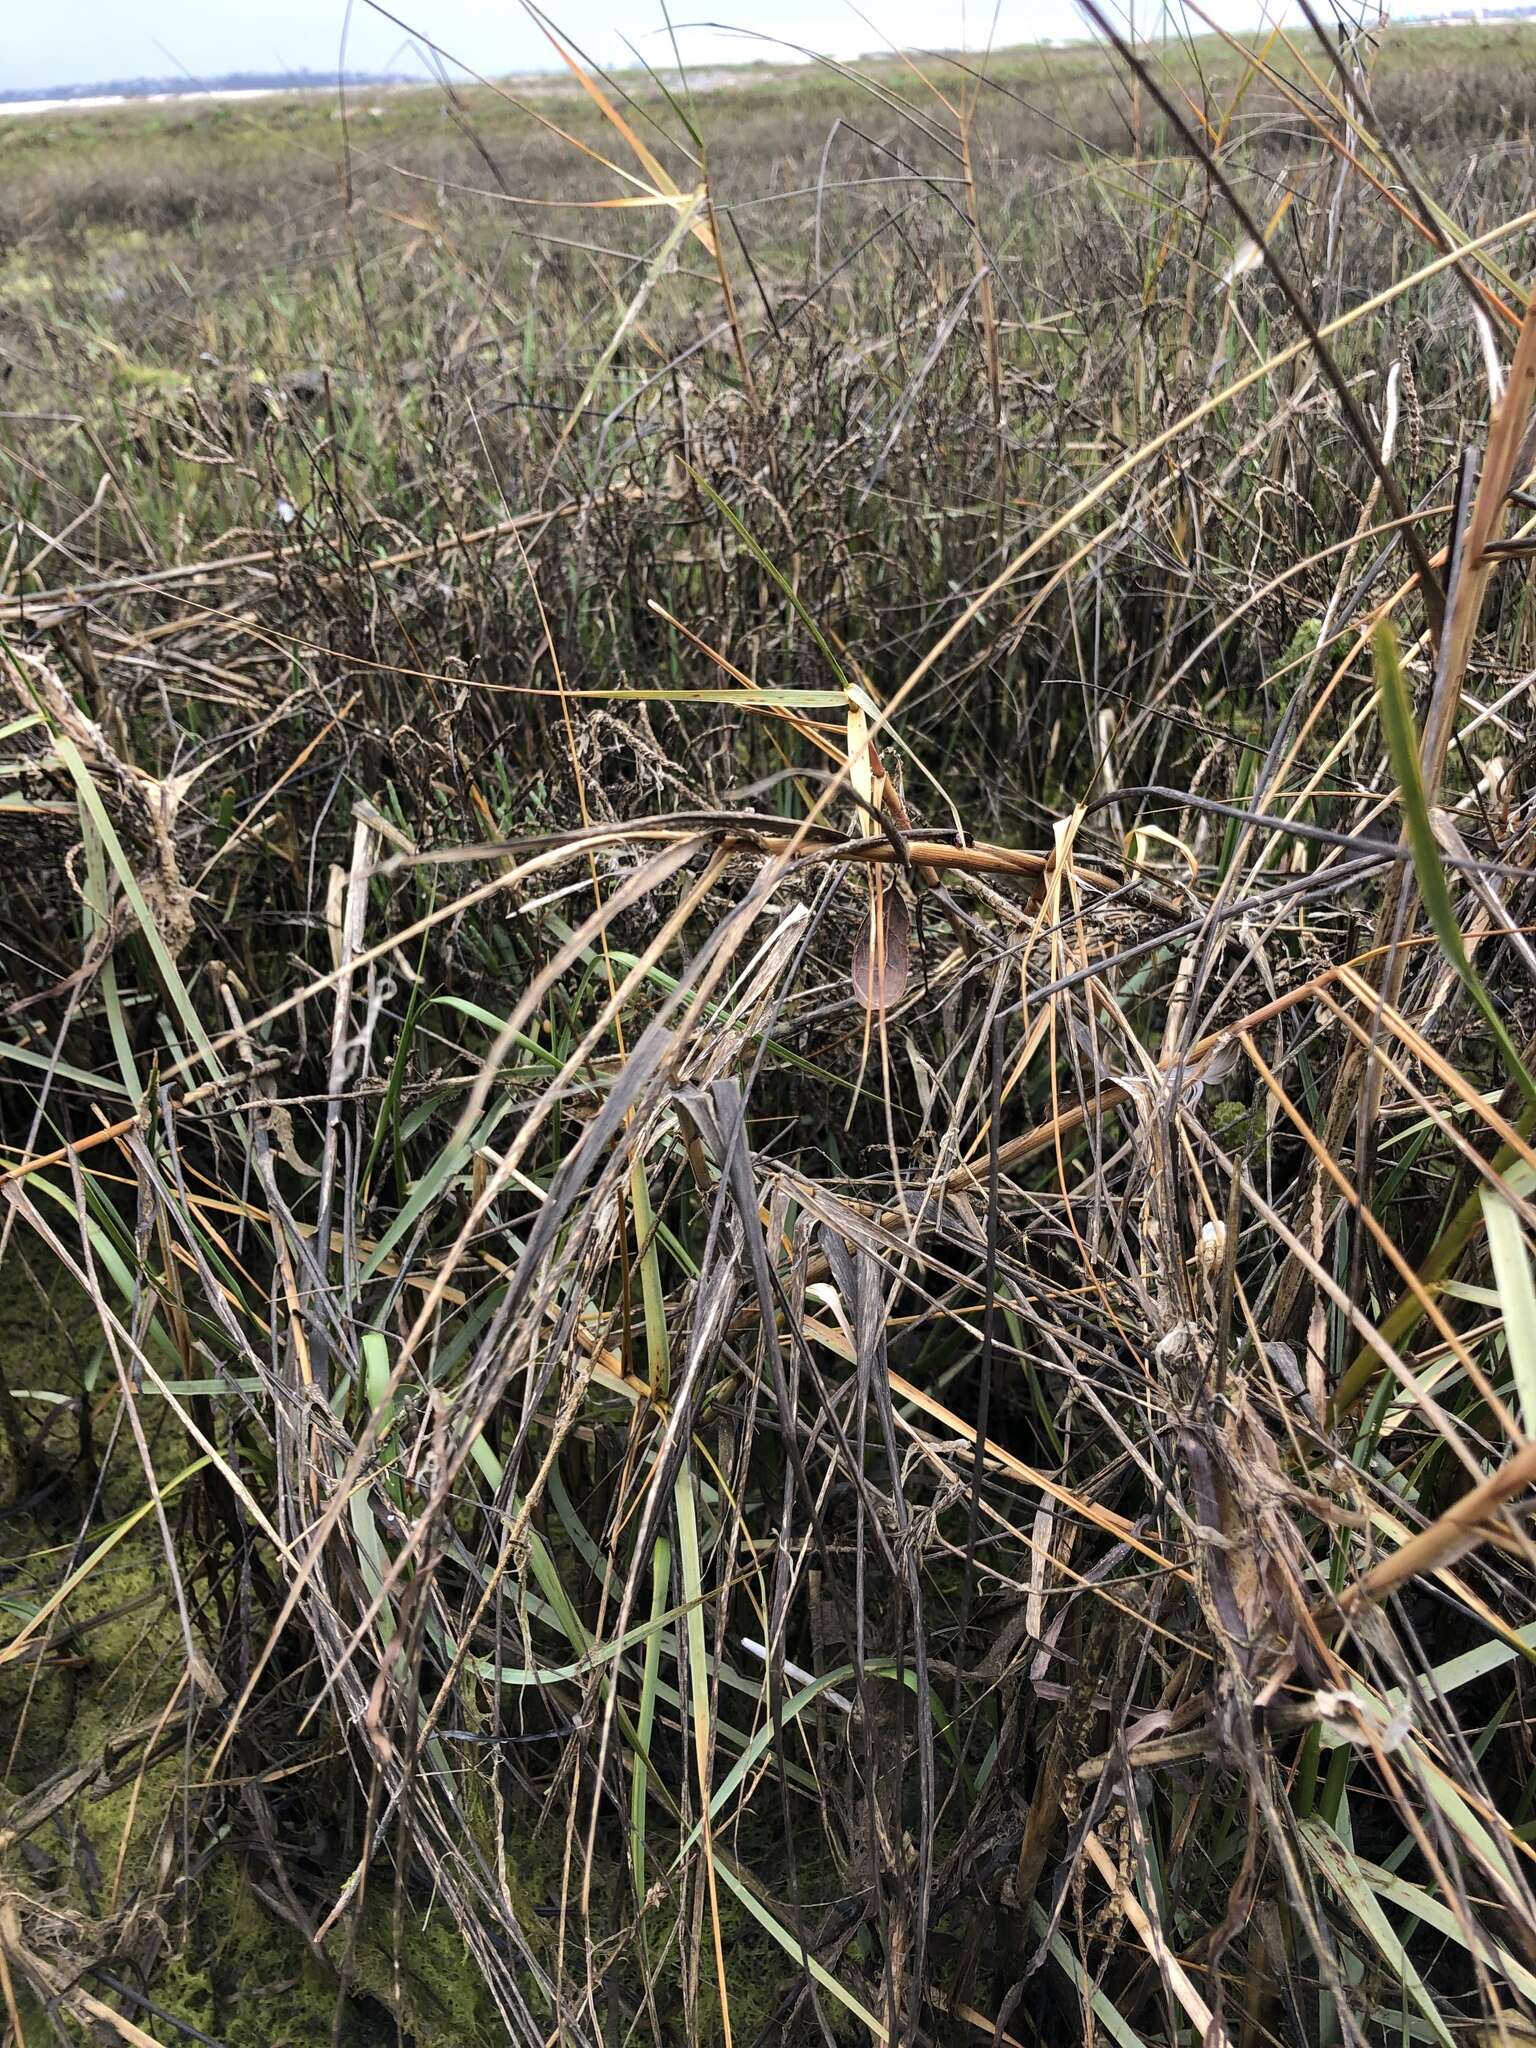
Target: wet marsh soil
122,1872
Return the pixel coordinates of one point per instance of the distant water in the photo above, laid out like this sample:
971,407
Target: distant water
96,102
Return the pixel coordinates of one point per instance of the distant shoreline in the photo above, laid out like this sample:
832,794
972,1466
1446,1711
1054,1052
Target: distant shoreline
538,84
228,85
113,94
96,103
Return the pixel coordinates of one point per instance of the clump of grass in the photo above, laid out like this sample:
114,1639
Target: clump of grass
767,1061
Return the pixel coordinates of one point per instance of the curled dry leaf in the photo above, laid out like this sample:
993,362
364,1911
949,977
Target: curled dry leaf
882,958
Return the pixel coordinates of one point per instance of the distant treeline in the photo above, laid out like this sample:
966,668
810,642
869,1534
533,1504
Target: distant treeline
227,81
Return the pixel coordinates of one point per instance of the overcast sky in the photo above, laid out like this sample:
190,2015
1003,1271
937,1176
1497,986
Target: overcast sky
74,42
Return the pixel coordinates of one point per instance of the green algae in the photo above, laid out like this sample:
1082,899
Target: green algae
1241,1127
116,1661
227,1965
255,1983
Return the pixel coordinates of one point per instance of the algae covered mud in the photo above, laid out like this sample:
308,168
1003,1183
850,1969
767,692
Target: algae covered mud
131,1879
150,1871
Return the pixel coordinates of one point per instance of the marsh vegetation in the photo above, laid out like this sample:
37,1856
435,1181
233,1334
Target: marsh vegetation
766,1125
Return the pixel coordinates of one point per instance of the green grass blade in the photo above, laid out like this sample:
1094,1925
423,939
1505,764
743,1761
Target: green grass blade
1402,743
1517,1298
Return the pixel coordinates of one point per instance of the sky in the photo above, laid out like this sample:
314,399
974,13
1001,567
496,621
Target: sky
79,42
